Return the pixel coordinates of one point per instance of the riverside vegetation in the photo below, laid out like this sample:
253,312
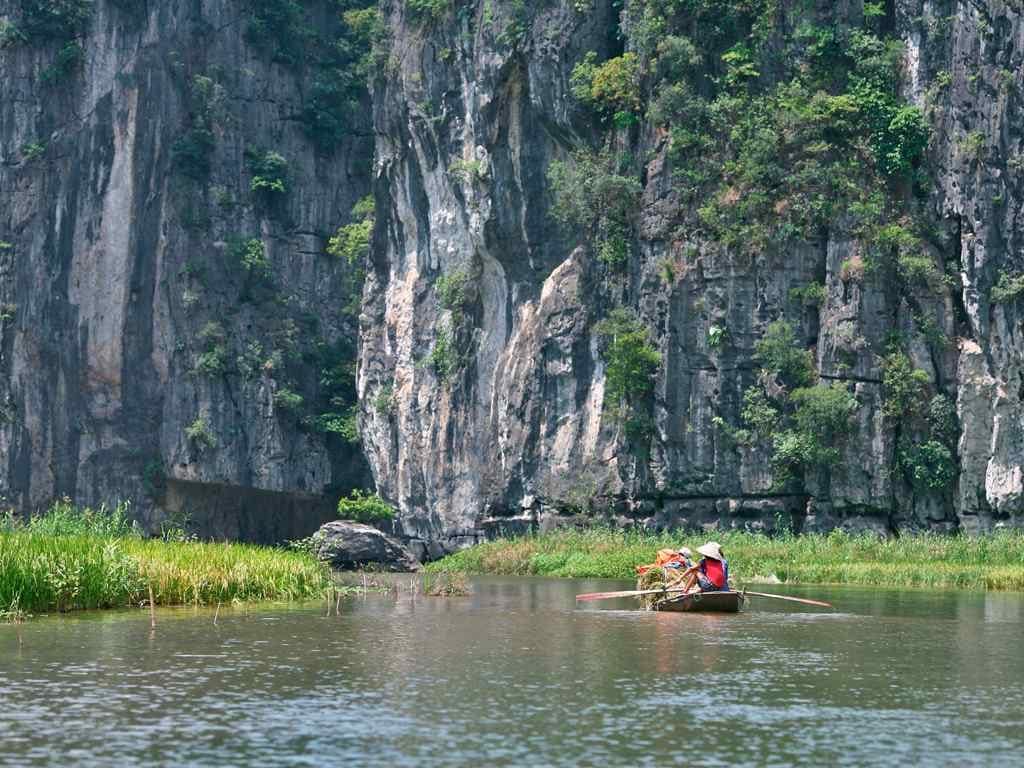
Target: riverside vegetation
994,562
80,558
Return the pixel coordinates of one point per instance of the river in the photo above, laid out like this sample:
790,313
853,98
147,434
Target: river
516,674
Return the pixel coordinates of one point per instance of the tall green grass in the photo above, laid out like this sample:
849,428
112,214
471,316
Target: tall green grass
991,562
72,559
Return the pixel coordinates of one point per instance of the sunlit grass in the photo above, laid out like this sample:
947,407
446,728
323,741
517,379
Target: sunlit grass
991,562
40,573
79,559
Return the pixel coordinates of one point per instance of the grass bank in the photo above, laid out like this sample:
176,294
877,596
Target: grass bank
993,562
71,559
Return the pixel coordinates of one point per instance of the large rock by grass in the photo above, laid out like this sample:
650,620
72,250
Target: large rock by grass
346,545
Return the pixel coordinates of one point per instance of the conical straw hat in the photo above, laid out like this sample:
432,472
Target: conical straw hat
712,550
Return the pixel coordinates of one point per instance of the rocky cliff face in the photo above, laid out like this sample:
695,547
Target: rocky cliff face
173,330
802,184
661,262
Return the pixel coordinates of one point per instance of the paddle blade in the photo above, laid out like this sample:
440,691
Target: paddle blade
603,595
791,599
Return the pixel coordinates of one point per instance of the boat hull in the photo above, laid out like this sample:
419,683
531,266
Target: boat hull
714,602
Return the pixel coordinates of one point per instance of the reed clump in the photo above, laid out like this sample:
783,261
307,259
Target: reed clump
992,562
446,584
70,559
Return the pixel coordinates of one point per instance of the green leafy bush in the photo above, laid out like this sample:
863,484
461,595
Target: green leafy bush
444,356
631,364
942,419
288,400
61,19
592,198
453,290
192,152
278,27
760,413
429,9
363,507
812,294
212,361
1008,288
384,400
801,132
352,241
903,386
931,465
779,352
823,411
611,87
33,150
467,171
69,59
200,434
251,254
269,173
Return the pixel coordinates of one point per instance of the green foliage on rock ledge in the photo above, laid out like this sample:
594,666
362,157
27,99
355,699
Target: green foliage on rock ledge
200,434
352,241
339,55
781,124
925,424
612,88
269,173
780,353
594,197
60,19
804,421
363,507
631,364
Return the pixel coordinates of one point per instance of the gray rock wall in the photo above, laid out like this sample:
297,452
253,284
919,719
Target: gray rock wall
115,260
469,116
141,358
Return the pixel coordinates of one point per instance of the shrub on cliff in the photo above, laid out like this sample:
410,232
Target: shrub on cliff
780,352
1008,287
352,241
269,173
429,9
363,507
610,88
631,364
60,19
593,199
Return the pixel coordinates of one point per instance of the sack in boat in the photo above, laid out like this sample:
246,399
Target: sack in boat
666,557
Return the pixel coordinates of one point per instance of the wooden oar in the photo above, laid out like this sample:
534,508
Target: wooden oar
791,599
628,593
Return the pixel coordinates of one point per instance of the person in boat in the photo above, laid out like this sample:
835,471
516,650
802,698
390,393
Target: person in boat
680,559
711,574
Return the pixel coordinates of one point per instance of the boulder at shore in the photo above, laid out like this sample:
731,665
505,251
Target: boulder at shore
346,545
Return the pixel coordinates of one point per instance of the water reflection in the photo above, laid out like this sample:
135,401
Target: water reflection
517,674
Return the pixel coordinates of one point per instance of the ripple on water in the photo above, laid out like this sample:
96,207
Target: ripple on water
517,676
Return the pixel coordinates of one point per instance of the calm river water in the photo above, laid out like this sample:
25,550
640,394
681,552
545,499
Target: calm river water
516,674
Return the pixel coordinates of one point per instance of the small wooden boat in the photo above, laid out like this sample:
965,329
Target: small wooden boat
719,602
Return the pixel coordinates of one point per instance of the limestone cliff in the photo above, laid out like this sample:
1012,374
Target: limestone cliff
173,330
656,262
486,352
